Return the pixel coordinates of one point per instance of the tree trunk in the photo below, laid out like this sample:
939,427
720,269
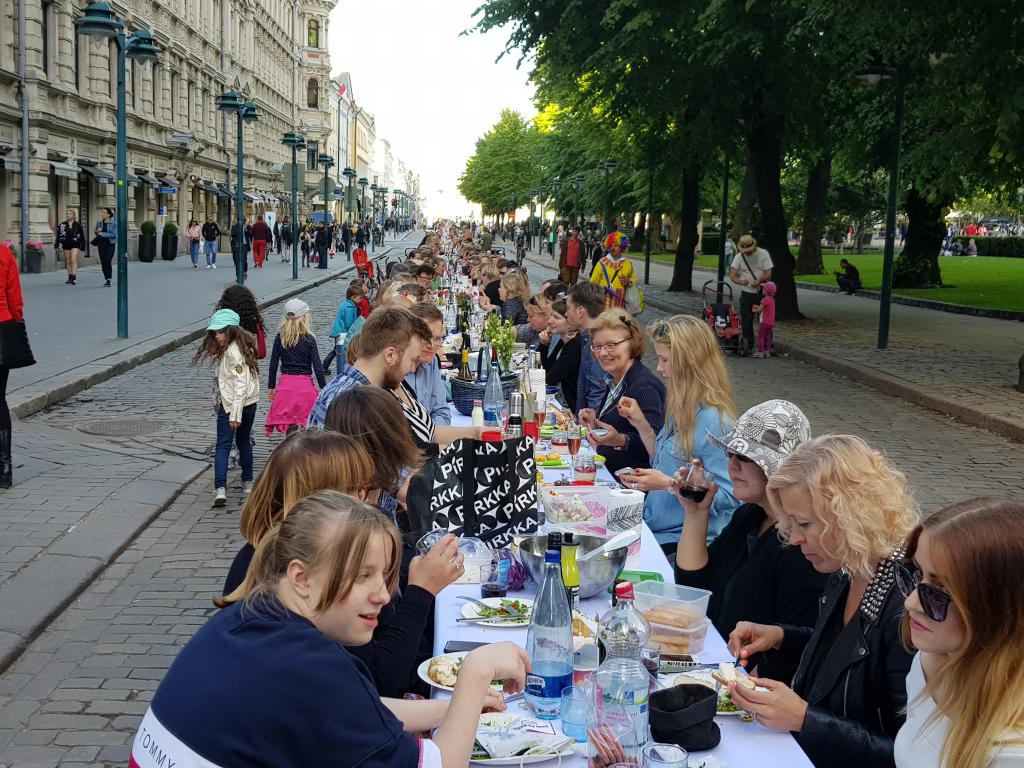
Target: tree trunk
764,141
808,260
918,265
682,272
657,246
744,216
636,242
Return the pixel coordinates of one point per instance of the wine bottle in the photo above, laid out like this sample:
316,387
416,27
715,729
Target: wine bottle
464,370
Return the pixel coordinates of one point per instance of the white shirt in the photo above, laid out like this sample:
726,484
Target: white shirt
760,262
921,747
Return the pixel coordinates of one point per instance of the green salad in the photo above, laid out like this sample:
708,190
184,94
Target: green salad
507,608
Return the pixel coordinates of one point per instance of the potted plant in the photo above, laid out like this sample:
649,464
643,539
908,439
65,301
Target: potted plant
169,244
147,241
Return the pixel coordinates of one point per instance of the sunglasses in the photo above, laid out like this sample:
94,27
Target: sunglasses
934,601
739,457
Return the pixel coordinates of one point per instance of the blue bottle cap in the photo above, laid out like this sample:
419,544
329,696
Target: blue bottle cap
553,556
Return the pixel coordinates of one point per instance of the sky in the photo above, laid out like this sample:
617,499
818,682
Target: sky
432,92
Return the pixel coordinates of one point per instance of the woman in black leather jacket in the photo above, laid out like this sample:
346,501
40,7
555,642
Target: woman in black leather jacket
850,513
71,240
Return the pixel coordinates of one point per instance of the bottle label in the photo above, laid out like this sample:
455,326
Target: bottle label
547,686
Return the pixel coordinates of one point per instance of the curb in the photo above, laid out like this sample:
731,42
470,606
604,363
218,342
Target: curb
64,385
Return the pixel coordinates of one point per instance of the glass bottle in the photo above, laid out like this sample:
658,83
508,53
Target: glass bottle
549,639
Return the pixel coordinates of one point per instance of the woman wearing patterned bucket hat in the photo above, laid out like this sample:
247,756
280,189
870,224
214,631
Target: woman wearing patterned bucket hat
749,571
851,514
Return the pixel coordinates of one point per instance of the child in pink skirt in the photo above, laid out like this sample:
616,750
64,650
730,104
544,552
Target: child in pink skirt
296,352
766,311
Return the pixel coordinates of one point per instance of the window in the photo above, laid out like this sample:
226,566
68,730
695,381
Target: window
312,155
46,38
78,62
174,99
132,77
313,94
313,34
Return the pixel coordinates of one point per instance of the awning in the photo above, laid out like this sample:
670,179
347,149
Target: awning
251,197
166,182
11,164
222,191
134,181
152,181
68,170
101,176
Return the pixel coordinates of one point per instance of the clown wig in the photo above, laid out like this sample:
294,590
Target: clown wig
616,238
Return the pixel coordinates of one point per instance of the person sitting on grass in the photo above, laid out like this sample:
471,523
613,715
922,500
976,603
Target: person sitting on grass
848,277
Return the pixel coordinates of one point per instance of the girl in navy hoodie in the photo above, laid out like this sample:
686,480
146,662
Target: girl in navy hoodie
268,682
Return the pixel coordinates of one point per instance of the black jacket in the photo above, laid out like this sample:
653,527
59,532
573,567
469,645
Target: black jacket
855,690
210,231
649,392
70,236
562,367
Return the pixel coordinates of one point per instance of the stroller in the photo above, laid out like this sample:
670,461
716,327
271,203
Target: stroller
720,315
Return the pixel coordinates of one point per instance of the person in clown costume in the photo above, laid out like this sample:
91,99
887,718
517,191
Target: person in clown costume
614,272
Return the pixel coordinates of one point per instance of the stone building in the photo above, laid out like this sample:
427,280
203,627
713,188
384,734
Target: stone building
181,149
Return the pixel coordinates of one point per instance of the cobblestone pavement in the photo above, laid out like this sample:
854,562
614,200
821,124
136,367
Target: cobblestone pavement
75,697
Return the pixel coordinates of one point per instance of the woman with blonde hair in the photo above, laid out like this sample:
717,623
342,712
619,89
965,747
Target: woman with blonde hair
489,287
851,513
270,680
699,404
295,350
964,590
514,292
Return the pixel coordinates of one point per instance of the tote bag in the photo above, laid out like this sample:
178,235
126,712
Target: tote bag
475,488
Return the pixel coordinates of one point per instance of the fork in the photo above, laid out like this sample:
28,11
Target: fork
500,608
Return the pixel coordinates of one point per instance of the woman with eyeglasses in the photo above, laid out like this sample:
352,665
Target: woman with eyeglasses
699,404
964,615
560,352
851,514
618,344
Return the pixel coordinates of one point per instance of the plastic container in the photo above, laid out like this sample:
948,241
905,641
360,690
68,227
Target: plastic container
675,641
672,605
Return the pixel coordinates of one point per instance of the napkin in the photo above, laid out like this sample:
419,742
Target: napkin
504,737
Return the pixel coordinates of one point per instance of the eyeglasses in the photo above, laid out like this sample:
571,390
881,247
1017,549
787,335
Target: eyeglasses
607,347
739,457
934,601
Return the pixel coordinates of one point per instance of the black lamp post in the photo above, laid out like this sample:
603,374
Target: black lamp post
297,142
374,190
541,193
363,181
98,20
246,112
874,75
577,182
327,162
349,174
607,167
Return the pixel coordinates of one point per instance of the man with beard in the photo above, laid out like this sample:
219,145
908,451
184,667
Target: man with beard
385,352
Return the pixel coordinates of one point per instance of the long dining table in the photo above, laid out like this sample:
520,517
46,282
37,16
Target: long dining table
743,743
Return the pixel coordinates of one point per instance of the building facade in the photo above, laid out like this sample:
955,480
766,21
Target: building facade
181,149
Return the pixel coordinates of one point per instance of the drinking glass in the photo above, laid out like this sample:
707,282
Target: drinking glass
665,756
695,483
574,437
493,580
575,701
559,439
650,656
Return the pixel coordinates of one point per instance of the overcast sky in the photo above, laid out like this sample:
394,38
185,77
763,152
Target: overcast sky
433,93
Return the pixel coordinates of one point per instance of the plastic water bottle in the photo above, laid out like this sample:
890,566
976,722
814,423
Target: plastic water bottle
493,398
549,641
622,682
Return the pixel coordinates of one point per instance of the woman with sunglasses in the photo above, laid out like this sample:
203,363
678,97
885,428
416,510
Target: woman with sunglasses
964,615
618,344
699,403
850,513
752,576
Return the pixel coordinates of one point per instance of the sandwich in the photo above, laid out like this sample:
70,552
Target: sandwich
727,674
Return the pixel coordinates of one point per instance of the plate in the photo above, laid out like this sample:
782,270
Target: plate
560,464
704,676
423,668
498,718
472,610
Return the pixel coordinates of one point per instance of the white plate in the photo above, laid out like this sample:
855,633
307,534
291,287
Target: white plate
704,676
527,760
472,610
423,668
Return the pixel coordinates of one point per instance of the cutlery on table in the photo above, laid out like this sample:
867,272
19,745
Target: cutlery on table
499,608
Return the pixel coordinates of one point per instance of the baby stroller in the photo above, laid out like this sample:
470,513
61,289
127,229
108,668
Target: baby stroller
720,315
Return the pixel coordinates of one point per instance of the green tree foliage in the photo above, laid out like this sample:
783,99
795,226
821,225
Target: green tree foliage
504,165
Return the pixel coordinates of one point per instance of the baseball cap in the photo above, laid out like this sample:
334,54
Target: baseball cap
766,434
296,308
223,318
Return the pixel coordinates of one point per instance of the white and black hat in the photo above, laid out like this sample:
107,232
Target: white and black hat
766,434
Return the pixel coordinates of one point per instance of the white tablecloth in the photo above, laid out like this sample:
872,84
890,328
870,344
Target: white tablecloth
743,744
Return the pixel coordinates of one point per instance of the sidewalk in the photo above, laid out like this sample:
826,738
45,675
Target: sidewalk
959,365
73,329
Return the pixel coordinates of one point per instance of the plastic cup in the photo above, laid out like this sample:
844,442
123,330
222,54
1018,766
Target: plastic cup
574,712
665,756
584,664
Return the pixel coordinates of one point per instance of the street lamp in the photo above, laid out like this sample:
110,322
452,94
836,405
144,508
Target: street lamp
350,194
541,192
374,191
874,75
327,162
363,181
297,142
246,112
607,167
98,20
576,182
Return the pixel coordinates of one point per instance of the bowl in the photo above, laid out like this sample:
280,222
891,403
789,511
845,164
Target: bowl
595,575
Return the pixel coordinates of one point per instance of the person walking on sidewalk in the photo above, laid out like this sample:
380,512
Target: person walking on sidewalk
296,351
346,239
278,227
322,242
106,241
211,233
194,233
305,243
239,254
71,240
236,393
751,268
766,312
14,351
261,235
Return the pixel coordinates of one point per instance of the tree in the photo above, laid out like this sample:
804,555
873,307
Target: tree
504,164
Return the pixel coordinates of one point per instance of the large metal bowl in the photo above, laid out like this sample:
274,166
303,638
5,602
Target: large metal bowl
595,575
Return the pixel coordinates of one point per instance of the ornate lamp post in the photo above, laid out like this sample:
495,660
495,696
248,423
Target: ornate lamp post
607,167
349,174
374,191
327,162
246,113
541,194
577,182
556,184
363,181
99,20
297,142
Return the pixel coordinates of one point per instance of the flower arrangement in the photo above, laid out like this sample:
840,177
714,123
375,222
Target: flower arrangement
502,336
34,246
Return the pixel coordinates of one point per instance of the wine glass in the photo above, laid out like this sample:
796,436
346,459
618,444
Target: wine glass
694,485
574,437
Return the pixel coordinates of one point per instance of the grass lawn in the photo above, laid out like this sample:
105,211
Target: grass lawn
983,281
